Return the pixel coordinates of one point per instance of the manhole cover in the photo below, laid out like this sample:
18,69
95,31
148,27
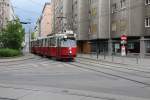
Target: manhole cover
6,99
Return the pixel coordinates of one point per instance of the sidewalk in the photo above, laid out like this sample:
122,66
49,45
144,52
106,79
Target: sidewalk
10,92
118,59
11,59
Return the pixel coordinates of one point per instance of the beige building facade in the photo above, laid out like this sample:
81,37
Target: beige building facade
6,12
45,20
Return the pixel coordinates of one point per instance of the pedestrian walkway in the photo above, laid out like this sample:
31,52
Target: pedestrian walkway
136,60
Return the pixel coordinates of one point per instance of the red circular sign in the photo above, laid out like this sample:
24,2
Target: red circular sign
123,37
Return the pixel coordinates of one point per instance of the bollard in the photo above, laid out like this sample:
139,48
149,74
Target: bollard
97,56
112,58
104,56
137,60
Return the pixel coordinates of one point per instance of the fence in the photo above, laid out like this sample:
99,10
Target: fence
133,59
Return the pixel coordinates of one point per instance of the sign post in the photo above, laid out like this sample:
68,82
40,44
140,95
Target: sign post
123,47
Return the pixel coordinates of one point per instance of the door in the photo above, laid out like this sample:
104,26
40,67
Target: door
58,48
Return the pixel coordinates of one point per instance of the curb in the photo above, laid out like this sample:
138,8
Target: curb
14,59
110,61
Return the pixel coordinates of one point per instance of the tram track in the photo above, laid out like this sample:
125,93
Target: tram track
116,70
84,66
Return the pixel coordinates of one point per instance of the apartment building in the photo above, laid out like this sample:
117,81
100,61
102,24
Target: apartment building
6,12
127,18
109,19
99,24
45,20
12,13
62,15
147,26
81,24
131,17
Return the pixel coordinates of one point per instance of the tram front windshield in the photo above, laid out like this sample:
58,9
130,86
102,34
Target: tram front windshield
68,43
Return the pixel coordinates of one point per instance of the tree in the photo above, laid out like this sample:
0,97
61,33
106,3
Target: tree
13,35
33,35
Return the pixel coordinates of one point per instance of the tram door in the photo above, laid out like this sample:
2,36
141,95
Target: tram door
58,47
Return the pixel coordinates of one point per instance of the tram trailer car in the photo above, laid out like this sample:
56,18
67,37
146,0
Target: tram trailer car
58,46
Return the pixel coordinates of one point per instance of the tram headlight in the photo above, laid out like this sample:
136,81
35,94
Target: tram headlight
75,35
70,52
65,37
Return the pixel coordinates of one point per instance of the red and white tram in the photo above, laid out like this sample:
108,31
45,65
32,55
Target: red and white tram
60,46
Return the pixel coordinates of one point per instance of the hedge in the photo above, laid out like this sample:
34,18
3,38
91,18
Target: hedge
9,52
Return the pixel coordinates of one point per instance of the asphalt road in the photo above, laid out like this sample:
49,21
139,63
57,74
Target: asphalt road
81,75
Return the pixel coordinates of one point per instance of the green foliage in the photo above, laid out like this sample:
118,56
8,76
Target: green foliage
9,52
33,35
13,35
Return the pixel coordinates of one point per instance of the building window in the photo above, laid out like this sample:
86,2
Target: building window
147,22
94,12
147,2
93,28
123,3
147,44
114,8
130,45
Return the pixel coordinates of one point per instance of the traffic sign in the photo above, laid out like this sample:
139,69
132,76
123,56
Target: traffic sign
123,37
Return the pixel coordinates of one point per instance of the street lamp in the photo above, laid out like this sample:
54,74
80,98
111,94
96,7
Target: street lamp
29,23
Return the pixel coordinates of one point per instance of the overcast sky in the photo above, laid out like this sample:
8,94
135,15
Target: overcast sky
28,9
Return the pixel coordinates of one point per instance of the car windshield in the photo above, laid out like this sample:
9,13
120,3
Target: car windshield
68,43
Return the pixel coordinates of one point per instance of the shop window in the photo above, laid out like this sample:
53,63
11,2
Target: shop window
131,46
147,44
114,8
123,3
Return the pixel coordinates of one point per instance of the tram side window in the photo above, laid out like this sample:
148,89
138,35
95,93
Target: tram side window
46,42
53,42
49,42
37,43
40,43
